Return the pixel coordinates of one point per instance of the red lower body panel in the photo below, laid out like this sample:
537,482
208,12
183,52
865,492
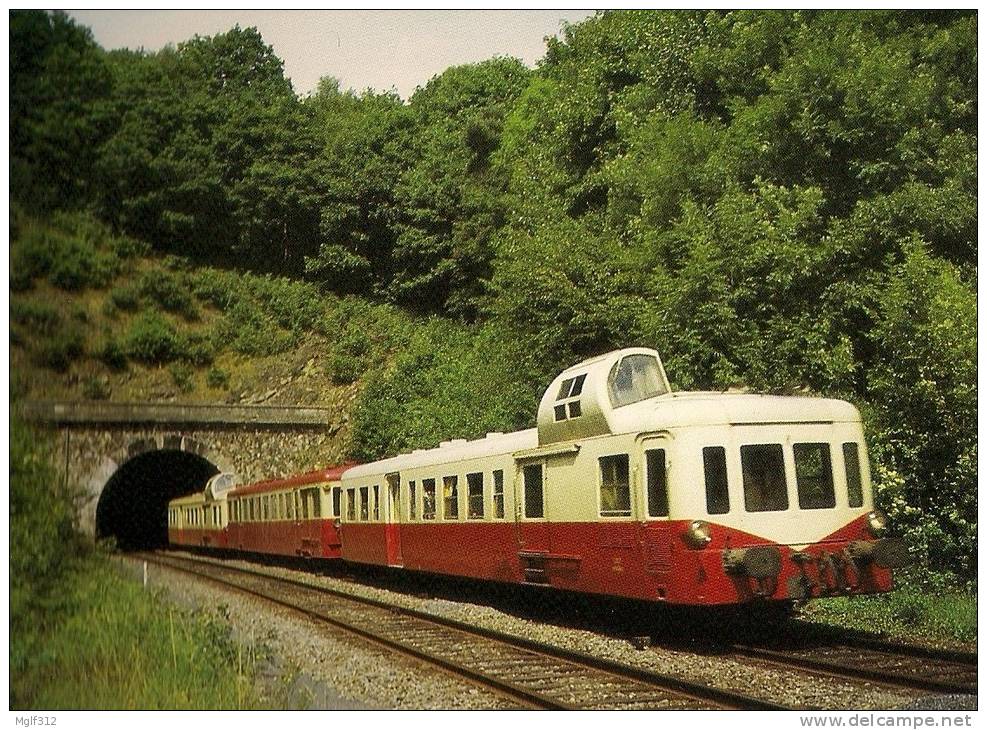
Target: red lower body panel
649,561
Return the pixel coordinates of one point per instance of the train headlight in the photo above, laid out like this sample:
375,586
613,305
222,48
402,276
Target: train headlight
698,534
877,521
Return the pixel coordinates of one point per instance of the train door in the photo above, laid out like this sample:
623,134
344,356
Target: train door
530,515
392,526
652,497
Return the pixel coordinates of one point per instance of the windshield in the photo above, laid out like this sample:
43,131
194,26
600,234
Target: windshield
635,378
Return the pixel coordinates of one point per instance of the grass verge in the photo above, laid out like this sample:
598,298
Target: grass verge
907,613
115,646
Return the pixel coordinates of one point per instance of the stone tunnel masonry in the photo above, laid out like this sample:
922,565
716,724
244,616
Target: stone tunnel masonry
93,441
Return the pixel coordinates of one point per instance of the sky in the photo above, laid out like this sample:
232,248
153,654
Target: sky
379,49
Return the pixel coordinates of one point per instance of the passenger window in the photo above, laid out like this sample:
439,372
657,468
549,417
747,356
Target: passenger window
498,494
316,505
854,479
351,505
474,487
615,486
450,493
428,493
301,498
281,509
765,489
364,503
657,483
376,501
290,505
814,476
412,501
337,493
715,467
267,507
534,495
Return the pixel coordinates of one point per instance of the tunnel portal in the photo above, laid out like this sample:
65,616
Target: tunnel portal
133,506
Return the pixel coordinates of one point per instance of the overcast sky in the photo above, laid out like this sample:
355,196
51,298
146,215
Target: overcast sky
379,49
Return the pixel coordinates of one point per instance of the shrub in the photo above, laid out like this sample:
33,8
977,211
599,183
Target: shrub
39,317
126,297
182,375
58,350
112,354
217,378
197,348
96,388
249,332
152,339
76,265
170,291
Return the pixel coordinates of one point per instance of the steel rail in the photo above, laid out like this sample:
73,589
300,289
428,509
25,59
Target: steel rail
690,690
858,669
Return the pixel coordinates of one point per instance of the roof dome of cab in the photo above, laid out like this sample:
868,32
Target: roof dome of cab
581,401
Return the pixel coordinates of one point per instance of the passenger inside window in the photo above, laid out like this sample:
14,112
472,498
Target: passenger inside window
336,496
635,378
814,476
351,505
615,486
450,489
376,502
498,494
765,489
364,503
412,501
428,496
474,487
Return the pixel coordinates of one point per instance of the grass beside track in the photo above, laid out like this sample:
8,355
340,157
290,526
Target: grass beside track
907,613
112,645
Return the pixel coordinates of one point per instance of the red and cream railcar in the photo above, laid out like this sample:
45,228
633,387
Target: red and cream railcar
199,520
626,488
296,516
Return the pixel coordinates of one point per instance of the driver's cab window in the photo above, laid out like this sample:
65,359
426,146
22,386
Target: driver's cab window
635,378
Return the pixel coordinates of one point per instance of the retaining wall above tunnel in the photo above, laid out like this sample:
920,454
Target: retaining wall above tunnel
96,441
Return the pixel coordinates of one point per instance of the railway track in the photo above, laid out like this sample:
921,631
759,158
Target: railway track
530,673
892,665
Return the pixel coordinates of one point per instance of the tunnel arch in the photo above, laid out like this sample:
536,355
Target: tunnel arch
138,484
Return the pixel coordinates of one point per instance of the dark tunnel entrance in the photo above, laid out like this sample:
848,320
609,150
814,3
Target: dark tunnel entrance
133,507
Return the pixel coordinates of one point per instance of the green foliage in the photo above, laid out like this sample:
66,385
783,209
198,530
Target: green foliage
446,380
36,317
217,378
117,647
112,354
923,388
71,253
95,388
907,613
171,291
42,542
59,349
182,375
126,297
152,339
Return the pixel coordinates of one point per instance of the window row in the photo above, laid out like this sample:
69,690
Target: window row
302,504
434,498
206,516
765,483
614,482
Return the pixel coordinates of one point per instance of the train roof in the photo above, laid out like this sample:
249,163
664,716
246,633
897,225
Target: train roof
492,444
319,476
189,500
